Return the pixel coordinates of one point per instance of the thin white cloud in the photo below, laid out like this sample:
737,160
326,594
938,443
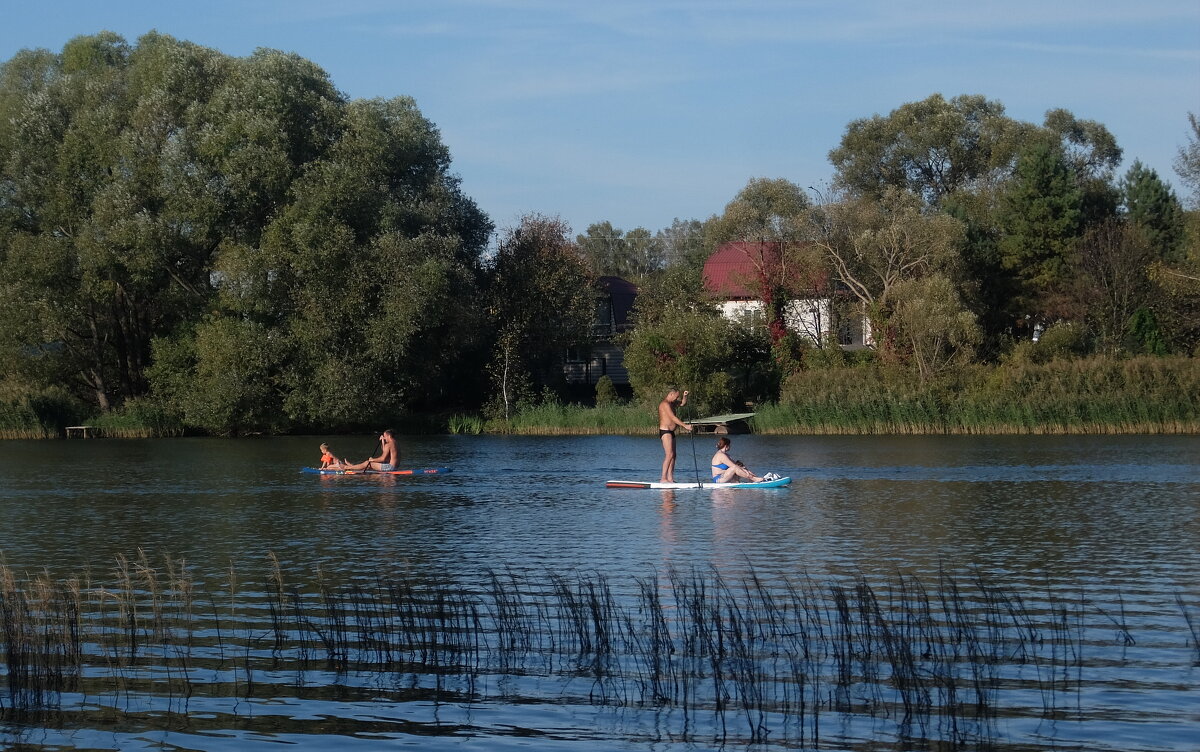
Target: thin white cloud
739,22
1182,55
424,29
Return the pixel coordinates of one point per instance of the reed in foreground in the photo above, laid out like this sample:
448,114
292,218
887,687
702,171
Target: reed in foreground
761,658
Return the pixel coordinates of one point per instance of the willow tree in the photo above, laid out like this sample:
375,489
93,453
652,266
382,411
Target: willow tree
108,228
937,148
162,201
932,148
875,246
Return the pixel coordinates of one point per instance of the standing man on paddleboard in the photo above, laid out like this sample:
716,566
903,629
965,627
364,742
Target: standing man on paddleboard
387,459
667,422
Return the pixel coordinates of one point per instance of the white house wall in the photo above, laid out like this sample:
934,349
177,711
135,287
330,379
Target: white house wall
811,318
745,311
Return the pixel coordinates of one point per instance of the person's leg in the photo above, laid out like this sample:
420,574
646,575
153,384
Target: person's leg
737,471
668,467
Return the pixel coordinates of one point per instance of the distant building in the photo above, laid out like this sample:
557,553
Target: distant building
601,356
732,275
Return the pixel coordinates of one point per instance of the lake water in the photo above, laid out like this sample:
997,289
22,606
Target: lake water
1071,566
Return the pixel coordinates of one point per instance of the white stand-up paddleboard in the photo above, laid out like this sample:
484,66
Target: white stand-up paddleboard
777,483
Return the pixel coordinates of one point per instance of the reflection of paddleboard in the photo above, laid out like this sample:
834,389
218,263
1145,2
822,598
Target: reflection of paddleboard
422,471
778,483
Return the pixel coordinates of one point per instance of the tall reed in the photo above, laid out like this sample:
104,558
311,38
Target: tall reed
762,659
1082,396
553,418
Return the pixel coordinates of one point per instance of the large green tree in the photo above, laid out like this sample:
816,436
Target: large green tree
164,200
107,222
541,301
932,148
873,246
936,148
1153,208
1041,213
608,250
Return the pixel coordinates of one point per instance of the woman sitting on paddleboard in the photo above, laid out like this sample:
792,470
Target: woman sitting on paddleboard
726,469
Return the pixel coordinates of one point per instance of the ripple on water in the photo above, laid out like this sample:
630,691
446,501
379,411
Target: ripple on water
1101,529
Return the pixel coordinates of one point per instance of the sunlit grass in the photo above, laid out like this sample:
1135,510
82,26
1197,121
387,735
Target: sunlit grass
1084,396
554,418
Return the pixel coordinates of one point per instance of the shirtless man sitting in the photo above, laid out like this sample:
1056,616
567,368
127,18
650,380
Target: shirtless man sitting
667,422
386,460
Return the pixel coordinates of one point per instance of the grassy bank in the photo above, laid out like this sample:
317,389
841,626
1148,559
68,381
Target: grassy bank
1079,396
1095,395
1085,396
553,419
37,415
42,417
137,419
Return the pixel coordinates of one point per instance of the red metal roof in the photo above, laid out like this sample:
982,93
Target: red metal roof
731,272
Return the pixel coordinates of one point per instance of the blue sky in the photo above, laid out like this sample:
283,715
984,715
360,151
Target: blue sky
638,112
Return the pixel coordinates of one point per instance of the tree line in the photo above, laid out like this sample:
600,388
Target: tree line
235,244
961,235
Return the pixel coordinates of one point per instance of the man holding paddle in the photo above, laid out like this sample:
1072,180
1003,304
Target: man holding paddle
667,422
387,459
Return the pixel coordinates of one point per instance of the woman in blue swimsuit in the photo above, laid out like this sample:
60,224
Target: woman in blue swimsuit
725,469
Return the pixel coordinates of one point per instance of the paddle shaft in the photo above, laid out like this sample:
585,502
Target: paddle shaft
378,446
695,462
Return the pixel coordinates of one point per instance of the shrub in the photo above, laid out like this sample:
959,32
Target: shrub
28,412
690,349
1063,340
139,419
606,392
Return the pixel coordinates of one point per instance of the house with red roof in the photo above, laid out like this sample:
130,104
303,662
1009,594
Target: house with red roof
738,273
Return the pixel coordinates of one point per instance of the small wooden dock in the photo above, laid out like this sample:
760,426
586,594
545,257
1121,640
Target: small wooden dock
734,423
82,432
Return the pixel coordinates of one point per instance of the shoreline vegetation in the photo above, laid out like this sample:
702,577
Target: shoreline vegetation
1095,395
193,243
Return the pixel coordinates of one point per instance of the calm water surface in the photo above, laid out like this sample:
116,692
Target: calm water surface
1110,522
